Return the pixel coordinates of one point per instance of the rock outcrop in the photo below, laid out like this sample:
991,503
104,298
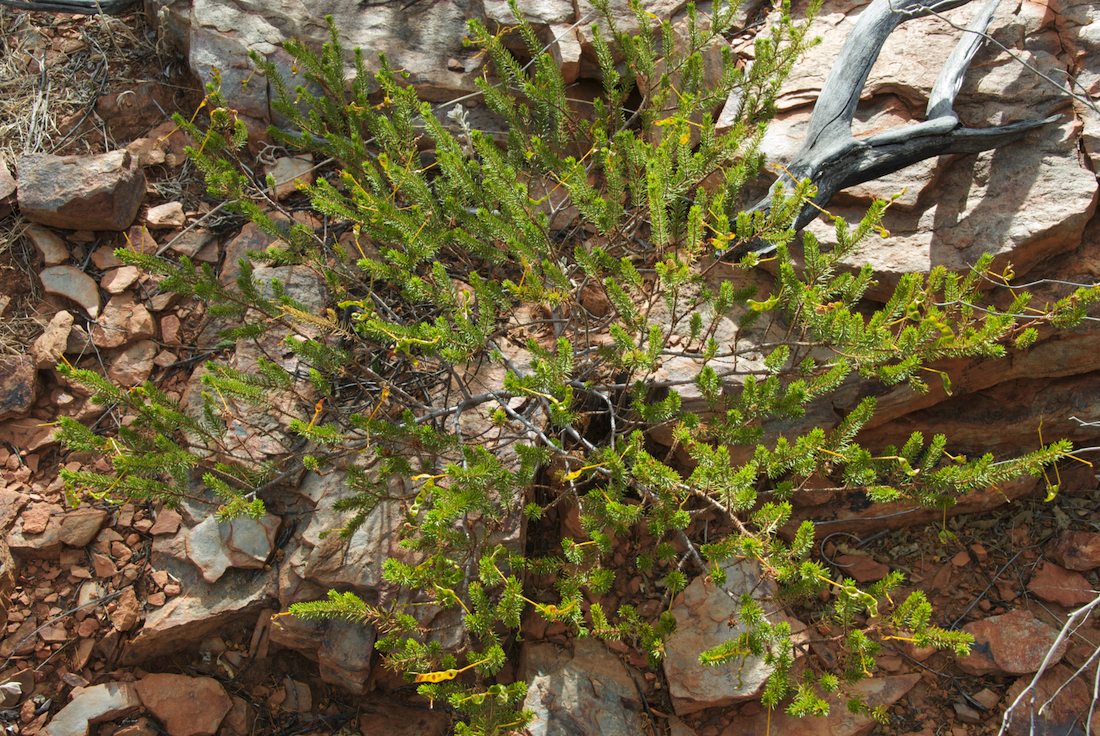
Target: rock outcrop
706,616
586,691
1024,202
426,43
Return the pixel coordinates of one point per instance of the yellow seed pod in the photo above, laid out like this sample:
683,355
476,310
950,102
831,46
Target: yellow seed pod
437,676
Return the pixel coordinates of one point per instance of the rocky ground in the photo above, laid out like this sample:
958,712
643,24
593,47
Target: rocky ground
134,620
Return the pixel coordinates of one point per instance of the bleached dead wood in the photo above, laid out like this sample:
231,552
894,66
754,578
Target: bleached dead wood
833,159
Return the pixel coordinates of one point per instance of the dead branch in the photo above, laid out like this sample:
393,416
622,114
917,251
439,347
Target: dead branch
833,159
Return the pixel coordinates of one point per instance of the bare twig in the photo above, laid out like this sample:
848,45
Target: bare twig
1027,694
833,159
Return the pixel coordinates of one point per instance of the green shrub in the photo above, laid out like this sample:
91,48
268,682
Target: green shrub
601,224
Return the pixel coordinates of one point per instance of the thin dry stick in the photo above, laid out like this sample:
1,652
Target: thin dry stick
1077,616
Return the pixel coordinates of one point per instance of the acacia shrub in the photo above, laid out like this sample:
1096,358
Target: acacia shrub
587,238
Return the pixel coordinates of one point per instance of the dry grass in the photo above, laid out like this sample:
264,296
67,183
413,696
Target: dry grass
19,323
53,68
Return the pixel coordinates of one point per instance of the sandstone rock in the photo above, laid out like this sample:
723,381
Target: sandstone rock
204,547
123,321
80,526
187,706
703,615
20,641
965,713
161,300
167,522
11,504
554,21
589,692
238,721
140,240
243,542
1059,585
567,50
1013,643
103,566
1076,26
196,609
48,244
321,562
262,433
725,330
249,240
18,385
421,43
100,192
104,258
593,298
249,542
987,698
399,720
148,151
862,568
166,216
174,141
1005,399
51,344
170,329
343,650
90,592
536,12
92,705
15,687
622,15
676,727
37,534
119,280
133,365
28,433
345,656
189,243
289,172
127,611
74,284
330,561
1078,550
